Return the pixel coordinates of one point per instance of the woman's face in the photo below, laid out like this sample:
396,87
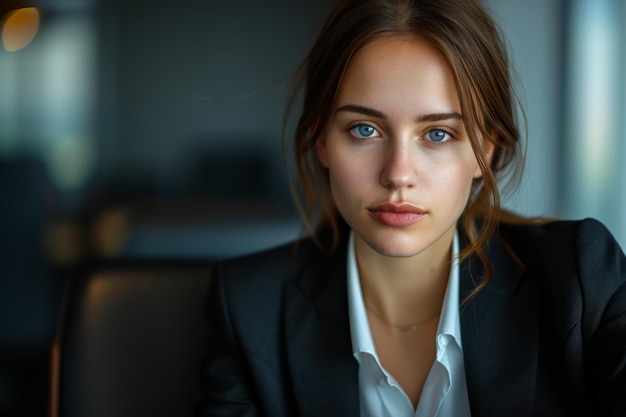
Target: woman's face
400,162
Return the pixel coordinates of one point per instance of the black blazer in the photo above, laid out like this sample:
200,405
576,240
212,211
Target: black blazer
548,339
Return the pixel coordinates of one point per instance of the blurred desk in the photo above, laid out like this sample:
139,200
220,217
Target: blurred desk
208,229
213,241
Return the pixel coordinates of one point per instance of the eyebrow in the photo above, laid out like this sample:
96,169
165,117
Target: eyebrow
430,117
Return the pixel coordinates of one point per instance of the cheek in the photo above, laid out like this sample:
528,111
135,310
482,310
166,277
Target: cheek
467,163
455,164
346,166
455,182
352,179
347,177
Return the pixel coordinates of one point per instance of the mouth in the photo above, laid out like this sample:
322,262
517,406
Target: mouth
397,215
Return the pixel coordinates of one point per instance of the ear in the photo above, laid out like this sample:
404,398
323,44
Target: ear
489,147
320,149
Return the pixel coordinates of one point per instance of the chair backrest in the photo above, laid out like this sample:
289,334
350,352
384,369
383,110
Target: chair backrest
131,340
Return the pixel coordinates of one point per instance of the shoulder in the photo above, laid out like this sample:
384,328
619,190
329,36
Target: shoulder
566,230
267,268
578,262
584,242
246,292
263,275
580,240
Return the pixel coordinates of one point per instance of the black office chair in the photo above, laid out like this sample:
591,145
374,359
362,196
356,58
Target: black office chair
131,341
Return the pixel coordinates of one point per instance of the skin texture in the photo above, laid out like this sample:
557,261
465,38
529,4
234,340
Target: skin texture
404,79
396,137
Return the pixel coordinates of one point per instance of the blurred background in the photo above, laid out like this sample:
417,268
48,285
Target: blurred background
152,129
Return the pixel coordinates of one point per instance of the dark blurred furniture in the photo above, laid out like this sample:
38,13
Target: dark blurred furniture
131,340
30,294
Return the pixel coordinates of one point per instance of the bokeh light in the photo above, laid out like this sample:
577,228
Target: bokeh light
20,28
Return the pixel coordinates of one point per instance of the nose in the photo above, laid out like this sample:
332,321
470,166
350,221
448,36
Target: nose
400,168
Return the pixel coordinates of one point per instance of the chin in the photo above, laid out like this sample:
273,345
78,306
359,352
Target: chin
396,247
399,253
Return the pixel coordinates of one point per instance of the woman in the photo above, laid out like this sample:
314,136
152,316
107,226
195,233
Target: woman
415,294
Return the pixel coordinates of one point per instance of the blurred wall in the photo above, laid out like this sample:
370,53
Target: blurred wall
569,58
191,104
196,81
593,146
533,30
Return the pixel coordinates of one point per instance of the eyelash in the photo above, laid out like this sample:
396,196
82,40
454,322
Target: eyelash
440,129
352,128
446,131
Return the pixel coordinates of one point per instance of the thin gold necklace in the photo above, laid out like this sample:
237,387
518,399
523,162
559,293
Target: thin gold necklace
404,328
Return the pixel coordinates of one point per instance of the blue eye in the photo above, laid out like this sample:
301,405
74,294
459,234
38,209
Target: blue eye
437,136
364,131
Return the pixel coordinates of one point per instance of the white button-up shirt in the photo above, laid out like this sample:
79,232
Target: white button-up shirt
445,391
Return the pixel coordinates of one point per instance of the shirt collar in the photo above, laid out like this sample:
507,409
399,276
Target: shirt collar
449,321
362,340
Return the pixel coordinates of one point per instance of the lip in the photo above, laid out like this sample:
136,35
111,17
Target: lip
397,215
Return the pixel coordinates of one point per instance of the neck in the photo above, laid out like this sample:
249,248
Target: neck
405,291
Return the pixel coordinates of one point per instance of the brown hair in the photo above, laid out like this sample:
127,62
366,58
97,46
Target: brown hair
468,37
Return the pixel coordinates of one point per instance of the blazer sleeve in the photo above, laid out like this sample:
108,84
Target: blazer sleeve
602,268
227,389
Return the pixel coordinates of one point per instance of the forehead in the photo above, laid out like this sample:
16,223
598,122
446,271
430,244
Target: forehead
400,72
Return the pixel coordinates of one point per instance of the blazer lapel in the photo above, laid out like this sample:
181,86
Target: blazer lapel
499,329
318,344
